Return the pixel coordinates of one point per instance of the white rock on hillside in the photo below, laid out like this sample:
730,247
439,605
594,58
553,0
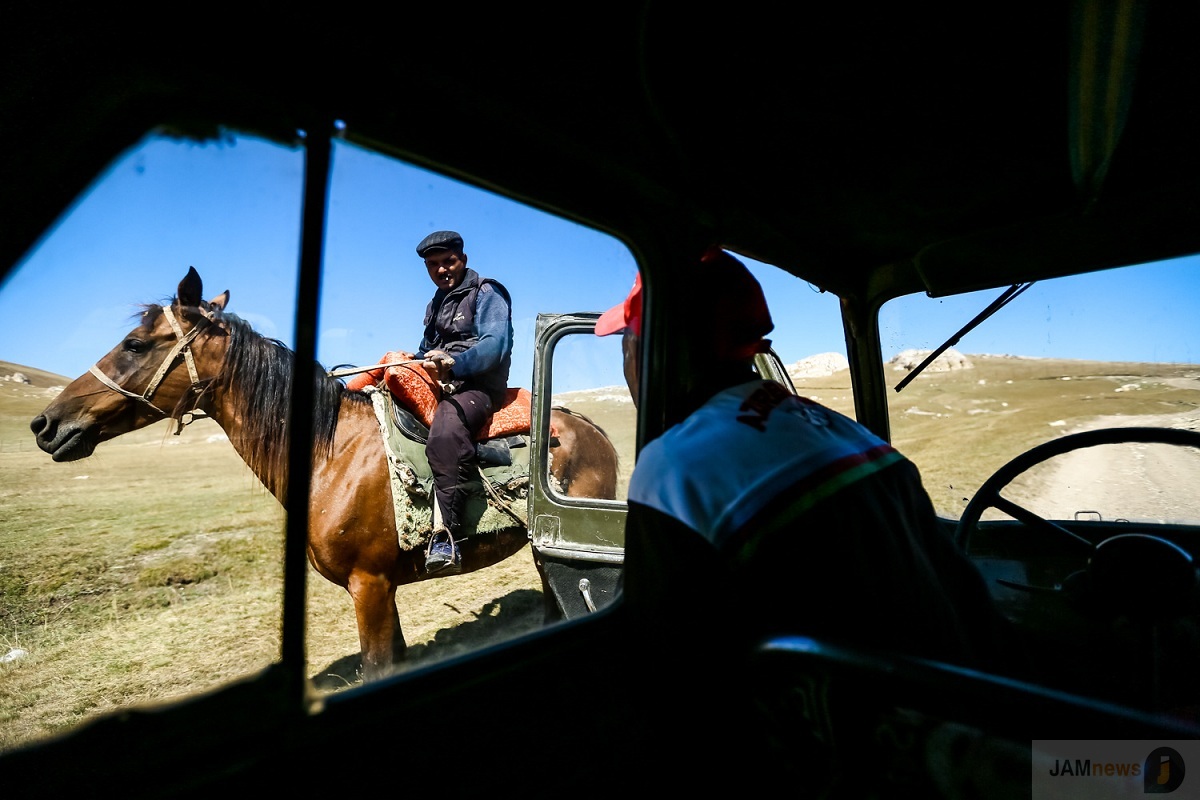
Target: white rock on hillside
818,366
949,360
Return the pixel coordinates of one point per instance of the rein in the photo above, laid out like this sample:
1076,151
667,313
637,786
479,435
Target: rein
341,373
181,347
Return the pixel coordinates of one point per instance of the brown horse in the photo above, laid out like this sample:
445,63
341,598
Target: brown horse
191,356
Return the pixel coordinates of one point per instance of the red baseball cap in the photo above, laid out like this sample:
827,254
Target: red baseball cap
627,314
732,314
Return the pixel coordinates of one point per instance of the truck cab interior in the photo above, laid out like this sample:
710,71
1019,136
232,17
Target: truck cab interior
896,165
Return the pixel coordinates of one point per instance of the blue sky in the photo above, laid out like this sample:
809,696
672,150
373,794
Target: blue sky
232,210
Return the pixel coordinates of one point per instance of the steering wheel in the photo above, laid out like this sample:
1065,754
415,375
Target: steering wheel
1135,573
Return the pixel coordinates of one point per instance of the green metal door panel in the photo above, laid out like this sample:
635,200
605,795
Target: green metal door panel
584,528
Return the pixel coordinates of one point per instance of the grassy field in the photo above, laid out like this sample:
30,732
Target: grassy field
961,426
152,570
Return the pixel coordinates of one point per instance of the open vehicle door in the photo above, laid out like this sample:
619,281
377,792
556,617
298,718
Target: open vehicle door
580,542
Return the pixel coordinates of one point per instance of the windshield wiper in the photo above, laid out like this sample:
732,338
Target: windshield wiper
1001,301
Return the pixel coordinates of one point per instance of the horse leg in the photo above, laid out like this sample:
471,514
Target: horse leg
378,624
399,646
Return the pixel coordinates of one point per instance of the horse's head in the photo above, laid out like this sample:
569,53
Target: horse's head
160,369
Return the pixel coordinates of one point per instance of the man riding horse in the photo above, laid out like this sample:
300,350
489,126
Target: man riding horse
467,349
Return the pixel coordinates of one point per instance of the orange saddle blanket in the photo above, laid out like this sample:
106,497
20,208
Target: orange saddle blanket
415,390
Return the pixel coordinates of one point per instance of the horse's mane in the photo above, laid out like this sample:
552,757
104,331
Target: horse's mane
258,375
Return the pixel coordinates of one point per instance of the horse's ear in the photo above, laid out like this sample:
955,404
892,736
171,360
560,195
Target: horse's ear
190,289
219,302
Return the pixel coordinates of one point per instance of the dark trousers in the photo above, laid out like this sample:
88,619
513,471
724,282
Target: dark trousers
451,449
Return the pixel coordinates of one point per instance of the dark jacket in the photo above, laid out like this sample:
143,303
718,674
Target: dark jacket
473,323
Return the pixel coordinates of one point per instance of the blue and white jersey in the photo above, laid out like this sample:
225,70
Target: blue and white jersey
743,448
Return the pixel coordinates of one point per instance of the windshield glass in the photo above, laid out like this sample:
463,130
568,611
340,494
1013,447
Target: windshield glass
1119,348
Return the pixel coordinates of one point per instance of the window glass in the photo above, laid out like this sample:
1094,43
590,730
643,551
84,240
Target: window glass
808,336
588,379
375,290
1118,348
153,568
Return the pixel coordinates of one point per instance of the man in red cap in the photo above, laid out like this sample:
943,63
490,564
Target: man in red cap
761,513
809,522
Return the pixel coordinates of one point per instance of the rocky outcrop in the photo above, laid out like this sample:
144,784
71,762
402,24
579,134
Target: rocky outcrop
906,360
818,366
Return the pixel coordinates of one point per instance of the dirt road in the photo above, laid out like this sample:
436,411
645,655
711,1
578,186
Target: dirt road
1129,481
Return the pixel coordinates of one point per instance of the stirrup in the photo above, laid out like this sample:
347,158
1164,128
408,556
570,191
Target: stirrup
453,564
433,537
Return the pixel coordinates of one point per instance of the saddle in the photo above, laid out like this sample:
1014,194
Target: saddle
405,398
496,451
417,396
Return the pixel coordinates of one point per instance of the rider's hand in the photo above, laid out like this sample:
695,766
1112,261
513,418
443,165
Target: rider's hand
438,365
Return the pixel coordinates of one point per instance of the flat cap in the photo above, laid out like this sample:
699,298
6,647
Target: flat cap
440,240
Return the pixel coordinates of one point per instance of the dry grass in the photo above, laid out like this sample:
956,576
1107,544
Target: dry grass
153,569
961,426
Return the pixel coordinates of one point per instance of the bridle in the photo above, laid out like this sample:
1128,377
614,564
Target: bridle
182,347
